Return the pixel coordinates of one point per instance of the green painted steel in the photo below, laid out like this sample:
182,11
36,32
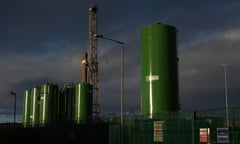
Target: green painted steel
62,105
48,104
54,103
31,107
159,72
69,93
26,108
34,112
83,103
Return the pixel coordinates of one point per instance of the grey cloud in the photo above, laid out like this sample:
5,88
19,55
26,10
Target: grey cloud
201,74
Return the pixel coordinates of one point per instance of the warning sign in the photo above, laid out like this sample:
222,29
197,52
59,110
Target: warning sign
204,134
222,135
158,131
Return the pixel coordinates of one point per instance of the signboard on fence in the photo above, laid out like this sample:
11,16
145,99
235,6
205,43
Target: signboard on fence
222,135
204,135
158,131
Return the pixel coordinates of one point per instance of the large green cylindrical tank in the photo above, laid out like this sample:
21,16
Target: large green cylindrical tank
83,103
159,69
48,103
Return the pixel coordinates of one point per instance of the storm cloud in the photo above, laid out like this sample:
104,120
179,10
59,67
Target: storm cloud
42,41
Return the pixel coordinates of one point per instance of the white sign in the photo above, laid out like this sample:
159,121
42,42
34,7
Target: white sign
151,78
222,135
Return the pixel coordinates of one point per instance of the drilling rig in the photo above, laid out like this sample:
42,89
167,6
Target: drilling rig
93,60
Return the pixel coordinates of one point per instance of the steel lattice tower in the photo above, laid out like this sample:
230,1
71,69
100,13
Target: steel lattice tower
93,59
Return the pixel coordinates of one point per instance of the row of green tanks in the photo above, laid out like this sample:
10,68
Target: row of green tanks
48,104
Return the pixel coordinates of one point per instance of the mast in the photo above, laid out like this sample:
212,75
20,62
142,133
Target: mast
93,61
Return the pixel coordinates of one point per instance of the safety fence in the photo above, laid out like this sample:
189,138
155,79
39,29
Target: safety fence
210,126
195,127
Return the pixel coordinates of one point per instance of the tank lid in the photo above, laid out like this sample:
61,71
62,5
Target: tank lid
159,23
166,25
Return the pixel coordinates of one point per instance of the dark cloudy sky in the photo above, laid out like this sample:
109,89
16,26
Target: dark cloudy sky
42,41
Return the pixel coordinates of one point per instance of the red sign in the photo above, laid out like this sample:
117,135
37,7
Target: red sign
204,135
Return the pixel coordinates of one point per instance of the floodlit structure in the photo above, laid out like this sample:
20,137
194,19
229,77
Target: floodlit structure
159,71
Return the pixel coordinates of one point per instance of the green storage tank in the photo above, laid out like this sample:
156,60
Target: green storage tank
62,105
31,107
34,106
83,103
68,93
48,104
26,108
159,69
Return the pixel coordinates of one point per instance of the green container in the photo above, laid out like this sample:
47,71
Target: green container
62,105
26,108
68,93
83,103
34,106
159,72
48,104
31,107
